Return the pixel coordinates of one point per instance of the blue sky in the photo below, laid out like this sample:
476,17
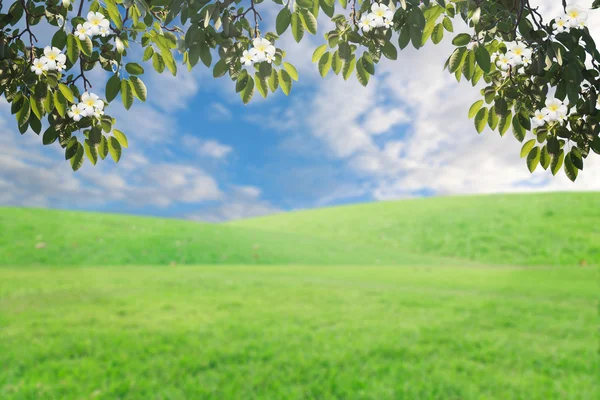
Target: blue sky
196,152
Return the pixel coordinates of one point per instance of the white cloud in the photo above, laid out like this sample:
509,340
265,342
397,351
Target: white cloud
206,147
242,202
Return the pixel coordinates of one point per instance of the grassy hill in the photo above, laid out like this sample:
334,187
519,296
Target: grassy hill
540,229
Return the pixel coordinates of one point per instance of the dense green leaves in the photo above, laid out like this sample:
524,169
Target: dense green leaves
220,36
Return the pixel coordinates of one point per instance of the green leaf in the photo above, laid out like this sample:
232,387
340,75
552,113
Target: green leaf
283,20
248,91
91,152
297,27
59,39
348,67
527,147
60,103
492,119
291,70
504,123
318,53
72,49
533,159
368,64
447,23
468,68
474,108
170,61
285,81
557,162
361,74
114,148
336,63
220,68
134,68
77,159
325,64
438,34
64,89
596,144
103,148
113,86
389,50
576,158
86,46
148,53
139,89
483,58
274,80
456,59
261,85
518,129
50,136
71,147
462,39
570,170
481,119
309,21
120,136
305,3
126,94
404,37
158,63
545,158
113,13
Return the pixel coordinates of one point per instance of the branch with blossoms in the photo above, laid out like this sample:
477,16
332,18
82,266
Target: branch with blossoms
536,78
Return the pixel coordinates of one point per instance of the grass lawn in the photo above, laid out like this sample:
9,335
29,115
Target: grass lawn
299,332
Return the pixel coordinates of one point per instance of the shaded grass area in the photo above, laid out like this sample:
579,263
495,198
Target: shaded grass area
282,332
516,229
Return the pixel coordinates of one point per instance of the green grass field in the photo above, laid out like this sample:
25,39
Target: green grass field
491,297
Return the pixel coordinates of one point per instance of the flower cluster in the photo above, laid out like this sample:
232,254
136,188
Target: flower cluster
555,110
574,17
380,16
517,56
262,50
53,60
96,25
90,106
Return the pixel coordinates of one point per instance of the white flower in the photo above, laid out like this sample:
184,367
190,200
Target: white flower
514,59
581,24
561,24
379,13
257,56
263,46
60,66
554,110
66,3
76,112
269,58
90,102
526,61
575,15
104,31
366,23
98,113
539,119
387,23
52,55
81,31
38,67
247,58
504,62
96,21
519,49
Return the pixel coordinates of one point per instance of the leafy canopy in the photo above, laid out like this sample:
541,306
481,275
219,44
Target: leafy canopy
540,77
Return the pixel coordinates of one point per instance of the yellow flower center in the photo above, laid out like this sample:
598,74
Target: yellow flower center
553,108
